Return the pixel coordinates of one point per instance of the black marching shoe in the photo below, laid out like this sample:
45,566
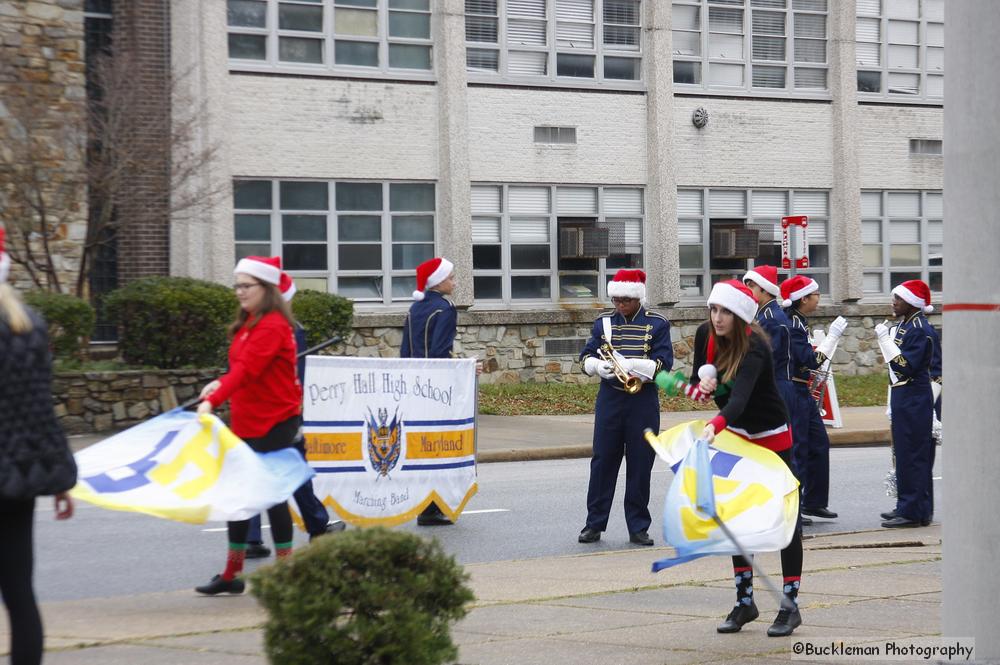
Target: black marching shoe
640,538
806,521
786,622
589,535
219,585
741,614
825,513
900,522
257,551
333,527
888,515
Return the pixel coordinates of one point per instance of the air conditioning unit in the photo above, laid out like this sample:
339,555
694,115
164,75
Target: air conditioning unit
584,242
735,243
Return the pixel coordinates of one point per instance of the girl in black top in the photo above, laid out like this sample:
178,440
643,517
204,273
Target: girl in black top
752,408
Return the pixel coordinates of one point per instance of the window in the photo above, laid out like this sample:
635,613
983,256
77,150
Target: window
342,36
546,134
552,243
723,232
571,41
768,46
900,49
362,240
925,147
902,234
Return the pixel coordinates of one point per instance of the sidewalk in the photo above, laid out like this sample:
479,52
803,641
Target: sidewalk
602,608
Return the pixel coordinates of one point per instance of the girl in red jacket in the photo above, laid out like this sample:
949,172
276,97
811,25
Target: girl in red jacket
264,394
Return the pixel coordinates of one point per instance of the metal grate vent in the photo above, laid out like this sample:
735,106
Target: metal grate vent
565,347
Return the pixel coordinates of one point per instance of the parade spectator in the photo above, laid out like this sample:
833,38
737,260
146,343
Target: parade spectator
909,352
641,340
800,296
35,460
751,408
265,396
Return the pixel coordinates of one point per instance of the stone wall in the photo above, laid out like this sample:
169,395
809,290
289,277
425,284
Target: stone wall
102,401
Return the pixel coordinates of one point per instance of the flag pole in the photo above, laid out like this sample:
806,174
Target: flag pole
784,601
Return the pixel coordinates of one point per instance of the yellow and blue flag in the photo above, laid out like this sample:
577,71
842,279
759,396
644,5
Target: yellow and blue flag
188,468
747,486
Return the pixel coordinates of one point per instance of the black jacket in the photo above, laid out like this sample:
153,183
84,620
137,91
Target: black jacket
35,458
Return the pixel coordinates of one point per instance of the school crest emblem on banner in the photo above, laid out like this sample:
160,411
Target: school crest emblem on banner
384,442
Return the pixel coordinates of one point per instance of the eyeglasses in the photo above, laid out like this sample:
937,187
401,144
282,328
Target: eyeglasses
623,301
243,286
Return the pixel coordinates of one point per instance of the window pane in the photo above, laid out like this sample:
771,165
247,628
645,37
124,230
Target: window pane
248,47
897,278
810,50
935,282
522,63
359,196
819,256
903,32
246,13
407,257
768,77
355,22
300,17
253,227
872,256
359,227
529,257
578,286
770,48
487,288
691,256
809,78
403,287
720,74
904,255
303,195
687,72
252,194
364,54
687,43
419,5
404,24
359,287
626,69
415,228
579,66
869,81
411,197
872,282
526,33
769,23
691,285
304,257
244,250
530,287
727,47
405,56
621,11
486,257
904,57
303,227
296,49
359,257
480,29
477,58
355,3
621,38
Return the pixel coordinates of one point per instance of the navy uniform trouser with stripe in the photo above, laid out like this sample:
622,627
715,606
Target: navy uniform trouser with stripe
811,449
913,445
619,422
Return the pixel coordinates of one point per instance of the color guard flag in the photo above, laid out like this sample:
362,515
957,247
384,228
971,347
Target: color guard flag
749,487
187,468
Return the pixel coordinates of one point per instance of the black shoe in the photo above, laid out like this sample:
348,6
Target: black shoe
333,527
640,538
433,520
806,521
589,535
219,585
741,615
825,513
889,515
900,522
927,522
257,551
785,623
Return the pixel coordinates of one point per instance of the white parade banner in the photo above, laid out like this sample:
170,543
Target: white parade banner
386,436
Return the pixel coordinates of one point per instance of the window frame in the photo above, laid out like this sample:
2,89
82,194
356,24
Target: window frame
600,52
327,36
921,70
885,271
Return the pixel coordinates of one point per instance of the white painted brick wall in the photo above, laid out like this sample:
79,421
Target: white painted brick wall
884,156
282,126
610,134
753,143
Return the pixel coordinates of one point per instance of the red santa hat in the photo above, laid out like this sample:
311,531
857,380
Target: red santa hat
430,273
916,293
287,286
265,268
766,277
4,257
796,288
736,297
628,284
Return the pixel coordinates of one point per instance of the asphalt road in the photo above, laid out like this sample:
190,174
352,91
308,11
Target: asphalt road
522,510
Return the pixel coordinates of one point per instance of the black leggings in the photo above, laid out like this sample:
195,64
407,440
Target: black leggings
16,564
791,556
281,525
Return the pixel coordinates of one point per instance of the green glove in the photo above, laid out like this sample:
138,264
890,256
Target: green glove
672,383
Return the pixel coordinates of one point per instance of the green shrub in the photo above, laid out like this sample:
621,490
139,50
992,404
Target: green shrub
70,321
171,322
364,596
323,315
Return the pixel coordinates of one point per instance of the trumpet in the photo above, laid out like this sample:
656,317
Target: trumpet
631,384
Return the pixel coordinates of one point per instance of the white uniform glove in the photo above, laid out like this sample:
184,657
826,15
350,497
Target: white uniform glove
591,365
838,326
885,344
935,390
829,344
606,371
643,368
